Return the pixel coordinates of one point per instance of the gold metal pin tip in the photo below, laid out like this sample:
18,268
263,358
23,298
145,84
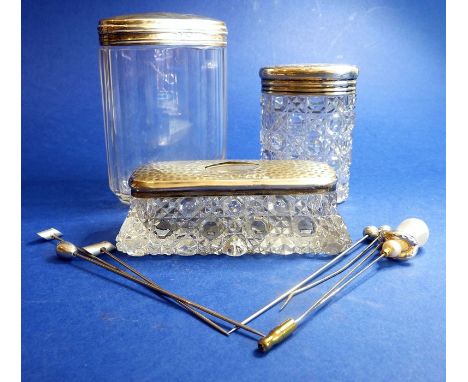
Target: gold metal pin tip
277,335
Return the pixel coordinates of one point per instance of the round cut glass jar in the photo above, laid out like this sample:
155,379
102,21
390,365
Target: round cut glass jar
163,80
308,113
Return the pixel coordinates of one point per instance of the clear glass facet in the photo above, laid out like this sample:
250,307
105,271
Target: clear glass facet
161,103
234,225
310,127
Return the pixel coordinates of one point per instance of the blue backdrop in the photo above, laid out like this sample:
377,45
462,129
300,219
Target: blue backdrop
79,324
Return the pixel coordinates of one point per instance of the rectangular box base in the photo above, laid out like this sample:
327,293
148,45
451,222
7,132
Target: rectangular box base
234,225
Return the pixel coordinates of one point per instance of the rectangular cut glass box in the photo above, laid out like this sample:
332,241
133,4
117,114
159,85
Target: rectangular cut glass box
163,81
233,208
308,113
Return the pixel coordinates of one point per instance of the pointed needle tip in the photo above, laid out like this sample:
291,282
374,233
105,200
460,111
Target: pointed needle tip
286,302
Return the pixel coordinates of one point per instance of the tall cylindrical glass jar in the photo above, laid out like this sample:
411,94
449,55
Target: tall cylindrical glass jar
308,113
163,82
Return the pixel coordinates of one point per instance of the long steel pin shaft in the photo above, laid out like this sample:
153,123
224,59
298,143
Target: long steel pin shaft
286,328
297,286
85,255
342,283
162,291
331,275
185,306
401,244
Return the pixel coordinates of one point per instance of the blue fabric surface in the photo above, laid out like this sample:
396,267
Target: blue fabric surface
80,323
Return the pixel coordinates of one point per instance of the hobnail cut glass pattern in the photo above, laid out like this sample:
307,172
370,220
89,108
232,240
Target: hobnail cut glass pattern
234,225
310,127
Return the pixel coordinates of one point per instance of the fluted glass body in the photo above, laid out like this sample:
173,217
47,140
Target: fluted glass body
161,103
316,127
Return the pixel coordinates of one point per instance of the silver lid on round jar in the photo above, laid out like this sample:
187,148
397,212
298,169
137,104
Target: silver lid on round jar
162,29
319,79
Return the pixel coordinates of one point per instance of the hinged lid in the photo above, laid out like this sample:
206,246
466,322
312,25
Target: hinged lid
162,29
231,177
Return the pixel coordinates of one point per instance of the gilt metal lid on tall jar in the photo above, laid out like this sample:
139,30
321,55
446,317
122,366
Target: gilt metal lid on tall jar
162,29
319,79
